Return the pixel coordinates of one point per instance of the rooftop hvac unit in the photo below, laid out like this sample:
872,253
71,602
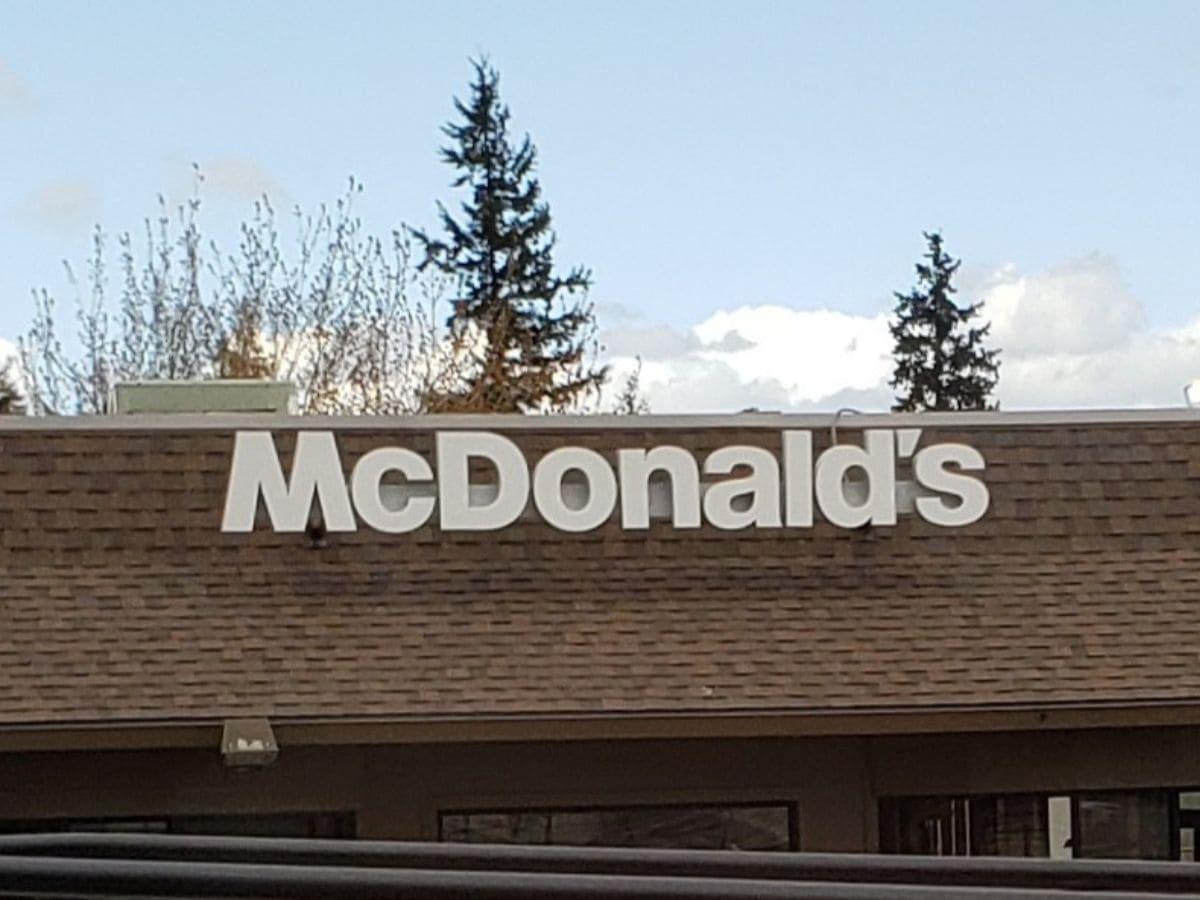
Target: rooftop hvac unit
232,395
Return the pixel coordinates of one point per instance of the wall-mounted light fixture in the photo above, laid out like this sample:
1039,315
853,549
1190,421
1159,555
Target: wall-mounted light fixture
248,743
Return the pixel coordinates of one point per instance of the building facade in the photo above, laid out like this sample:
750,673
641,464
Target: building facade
810,636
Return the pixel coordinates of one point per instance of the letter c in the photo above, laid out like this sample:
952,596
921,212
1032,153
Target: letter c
365,488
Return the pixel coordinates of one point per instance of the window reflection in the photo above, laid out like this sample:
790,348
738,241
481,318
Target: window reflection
1124,825
999,825
1151,823
711,827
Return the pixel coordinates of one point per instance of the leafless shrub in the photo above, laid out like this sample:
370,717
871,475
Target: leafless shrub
343,314
629,400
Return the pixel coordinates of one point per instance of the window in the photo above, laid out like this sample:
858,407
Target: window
1152,823
1123,825
699,827
1189,823
999,825
322,825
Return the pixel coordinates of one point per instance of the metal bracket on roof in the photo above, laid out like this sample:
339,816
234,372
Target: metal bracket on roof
834,424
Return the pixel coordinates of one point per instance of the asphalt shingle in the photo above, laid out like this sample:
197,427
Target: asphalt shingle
120,599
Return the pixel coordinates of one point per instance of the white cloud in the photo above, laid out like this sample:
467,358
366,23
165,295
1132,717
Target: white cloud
232,177
1071,336
14,92
1081,307
1149,368
765,357
694,384
1076,336
9,358
61,205
813,353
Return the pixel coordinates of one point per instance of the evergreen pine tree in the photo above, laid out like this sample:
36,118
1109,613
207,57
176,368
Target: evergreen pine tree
524,332
940,357
11,401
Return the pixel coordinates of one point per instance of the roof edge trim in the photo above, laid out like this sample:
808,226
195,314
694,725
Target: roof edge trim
511,422
326,731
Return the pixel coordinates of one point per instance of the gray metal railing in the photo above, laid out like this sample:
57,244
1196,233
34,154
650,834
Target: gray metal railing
111,865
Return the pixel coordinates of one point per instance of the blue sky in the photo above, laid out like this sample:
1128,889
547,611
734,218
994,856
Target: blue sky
701,158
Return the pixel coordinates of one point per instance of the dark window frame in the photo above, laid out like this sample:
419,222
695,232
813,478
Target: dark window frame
1174,821
1173,817
887,824
791,807
170,823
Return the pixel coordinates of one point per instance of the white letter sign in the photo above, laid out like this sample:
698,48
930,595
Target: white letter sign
737,486
316,470
366,486
548,489
455,450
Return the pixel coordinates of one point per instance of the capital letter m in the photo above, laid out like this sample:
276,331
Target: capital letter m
316,471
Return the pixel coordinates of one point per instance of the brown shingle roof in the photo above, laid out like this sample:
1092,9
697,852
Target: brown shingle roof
121,600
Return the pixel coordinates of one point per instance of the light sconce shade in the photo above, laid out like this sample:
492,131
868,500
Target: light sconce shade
248,743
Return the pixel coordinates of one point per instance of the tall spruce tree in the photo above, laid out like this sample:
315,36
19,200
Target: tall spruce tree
526,334
940,357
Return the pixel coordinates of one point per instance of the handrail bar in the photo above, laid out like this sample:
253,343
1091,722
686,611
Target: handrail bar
96,878
1164,877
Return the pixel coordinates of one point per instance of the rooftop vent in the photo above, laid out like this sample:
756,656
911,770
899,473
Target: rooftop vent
216,396
1191,393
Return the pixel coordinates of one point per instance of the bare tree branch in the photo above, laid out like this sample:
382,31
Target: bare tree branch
346,316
